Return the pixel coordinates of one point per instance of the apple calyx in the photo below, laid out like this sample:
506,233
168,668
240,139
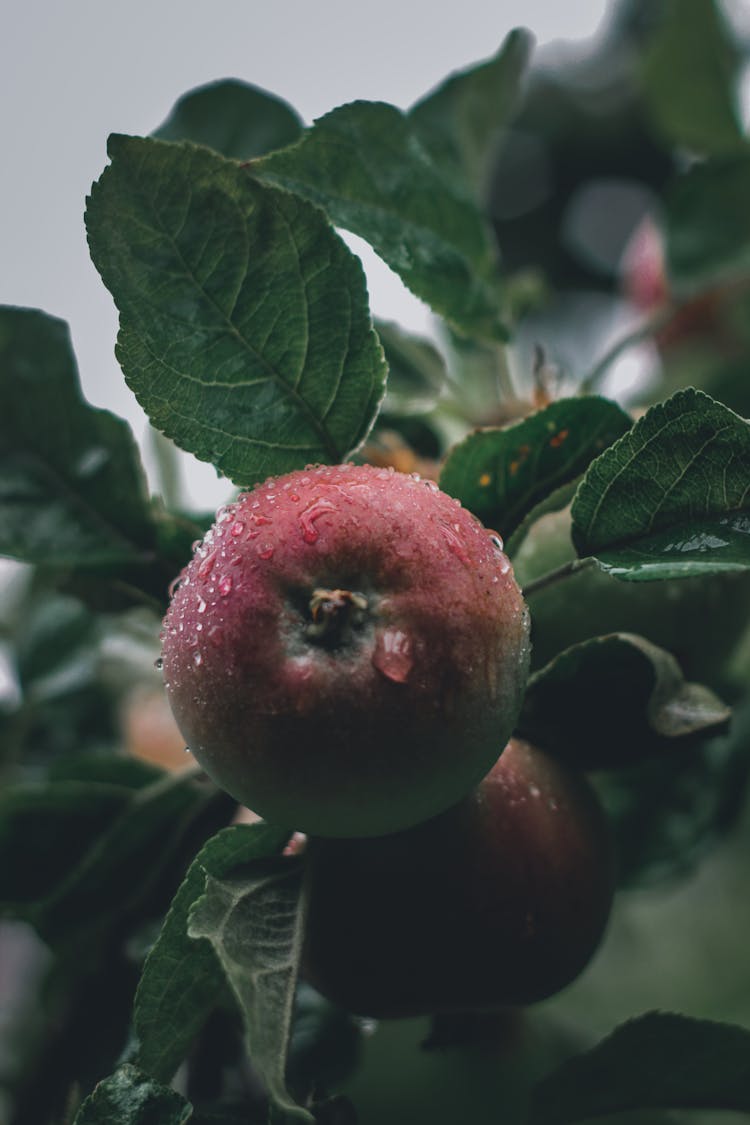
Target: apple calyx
333,613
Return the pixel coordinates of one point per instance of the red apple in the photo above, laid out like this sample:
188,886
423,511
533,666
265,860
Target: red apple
346,650
501,900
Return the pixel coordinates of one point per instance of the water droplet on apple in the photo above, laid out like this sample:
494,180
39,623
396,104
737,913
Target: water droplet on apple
237,528
394,655
158,664
201,605
310,514
197,659
265,551
225,585
455,543
206,566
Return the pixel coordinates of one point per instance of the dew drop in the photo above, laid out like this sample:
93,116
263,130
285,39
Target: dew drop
237,528
496,541
188,750
197,659
206,566
265,551
393,656
455,543
311,514
215,636
201,605
174,585
225,585
158,664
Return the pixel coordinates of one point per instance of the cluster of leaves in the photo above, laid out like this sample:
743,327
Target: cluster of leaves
246,334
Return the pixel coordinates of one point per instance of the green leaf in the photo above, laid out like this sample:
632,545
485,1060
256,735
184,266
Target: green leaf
72,491
94,853
707,224
461,122
236,119
657,1061
129,1097
416,370
244,326
46,830
256,927
502,474
688,77
672,497
366,166
614,701
182,979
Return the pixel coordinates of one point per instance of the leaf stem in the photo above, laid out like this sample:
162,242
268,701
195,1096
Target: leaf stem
552,576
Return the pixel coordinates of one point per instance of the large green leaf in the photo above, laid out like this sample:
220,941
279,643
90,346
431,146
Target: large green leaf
657,1061
460,122
708,224
234,118
615,701
72,491
672,497
364,163
182,979
244,326
502,474
129,1097
255,924
688,76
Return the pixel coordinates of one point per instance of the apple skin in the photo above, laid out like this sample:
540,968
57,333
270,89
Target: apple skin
345,650
501,900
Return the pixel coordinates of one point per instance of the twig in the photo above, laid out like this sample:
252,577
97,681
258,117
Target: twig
552,576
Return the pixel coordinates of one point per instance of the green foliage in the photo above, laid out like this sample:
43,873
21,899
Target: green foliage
707,225
660,1061
132,1098
688,77
253,385
182,980
255,924
622,685
365,165
670,499
502,474
461,122
233,118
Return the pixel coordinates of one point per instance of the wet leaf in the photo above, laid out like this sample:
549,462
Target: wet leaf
365,165
244,326
671,498
503,474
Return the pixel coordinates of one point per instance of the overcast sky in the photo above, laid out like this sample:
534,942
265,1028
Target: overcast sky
73,71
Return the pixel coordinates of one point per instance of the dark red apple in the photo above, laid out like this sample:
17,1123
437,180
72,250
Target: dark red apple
501,900
346,650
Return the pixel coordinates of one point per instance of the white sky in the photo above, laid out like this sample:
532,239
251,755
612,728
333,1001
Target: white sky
73,71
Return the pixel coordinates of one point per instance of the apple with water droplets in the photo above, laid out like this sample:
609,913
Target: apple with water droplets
346,650
499,901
